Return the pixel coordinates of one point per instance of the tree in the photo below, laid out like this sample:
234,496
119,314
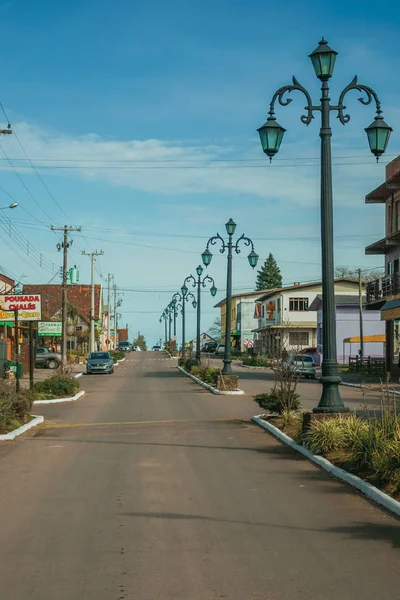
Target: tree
215,329
269,276
343,272
141,342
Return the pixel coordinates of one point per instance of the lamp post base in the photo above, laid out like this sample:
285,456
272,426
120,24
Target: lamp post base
331,401
227,368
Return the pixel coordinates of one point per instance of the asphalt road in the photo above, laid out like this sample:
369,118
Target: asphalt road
150,488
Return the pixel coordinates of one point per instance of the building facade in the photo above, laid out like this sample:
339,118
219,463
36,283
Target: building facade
284,318
242,318
348,328
384,293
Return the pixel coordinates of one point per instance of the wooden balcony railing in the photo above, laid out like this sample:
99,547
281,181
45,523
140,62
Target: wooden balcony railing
382,288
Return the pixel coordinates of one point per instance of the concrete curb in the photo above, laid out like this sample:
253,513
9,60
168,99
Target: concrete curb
210,388
78,375
58,400
250,367
13,434
363,486
362,387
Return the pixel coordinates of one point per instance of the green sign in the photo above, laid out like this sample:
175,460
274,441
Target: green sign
50,328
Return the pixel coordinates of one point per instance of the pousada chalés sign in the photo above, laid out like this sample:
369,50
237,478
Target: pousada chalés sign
28,306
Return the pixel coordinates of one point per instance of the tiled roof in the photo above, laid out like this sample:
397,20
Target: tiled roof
78,296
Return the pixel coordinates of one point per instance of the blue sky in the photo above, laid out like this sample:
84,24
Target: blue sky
149,99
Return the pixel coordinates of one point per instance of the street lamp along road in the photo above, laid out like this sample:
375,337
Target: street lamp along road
182,298
206,256
271,134
199,283
164,317
12,205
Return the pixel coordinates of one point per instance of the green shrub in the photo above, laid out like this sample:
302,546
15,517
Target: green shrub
59,386
15,407
256,361
187,363
325,436
206,374
277,401
117,355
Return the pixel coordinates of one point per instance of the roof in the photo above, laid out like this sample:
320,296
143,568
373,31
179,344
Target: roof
340,300
387,188
300,286
78,296
241,295
7,280
367,339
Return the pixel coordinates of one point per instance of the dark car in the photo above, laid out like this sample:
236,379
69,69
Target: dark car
47,359
156,348
209,347
125,346
99,362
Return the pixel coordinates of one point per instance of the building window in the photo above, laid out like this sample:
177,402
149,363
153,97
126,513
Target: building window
397,215
298,304
298,338
396,265
278,305
263,311
390,268
389,218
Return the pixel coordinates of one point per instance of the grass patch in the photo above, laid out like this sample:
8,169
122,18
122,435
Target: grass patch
58,386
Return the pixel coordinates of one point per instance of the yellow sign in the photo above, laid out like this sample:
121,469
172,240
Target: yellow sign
391,313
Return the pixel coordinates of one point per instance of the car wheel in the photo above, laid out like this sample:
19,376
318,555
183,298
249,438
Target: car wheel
52,364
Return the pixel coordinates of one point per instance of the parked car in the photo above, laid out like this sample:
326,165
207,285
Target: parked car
156,348
136,348
302,364
209,347
220,350
46,358
124,346
99,362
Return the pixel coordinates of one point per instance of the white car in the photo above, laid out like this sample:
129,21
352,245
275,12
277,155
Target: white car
156,348
136,349
302,364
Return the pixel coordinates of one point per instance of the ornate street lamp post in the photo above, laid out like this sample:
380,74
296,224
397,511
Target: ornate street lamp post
165,317
200,283
230,227
183,297
271,133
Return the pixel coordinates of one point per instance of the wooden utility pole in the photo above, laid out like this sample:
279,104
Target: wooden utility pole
64,246
360,304
92,340
109,313
115,316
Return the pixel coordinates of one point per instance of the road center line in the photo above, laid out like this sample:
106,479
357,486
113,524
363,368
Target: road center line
124,423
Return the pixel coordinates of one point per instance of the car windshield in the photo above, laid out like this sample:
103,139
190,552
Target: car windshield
124,344
303,358
101,355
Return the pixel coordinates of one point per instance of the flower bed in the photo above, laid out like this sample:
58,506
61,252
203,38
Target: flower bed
207,374
59,386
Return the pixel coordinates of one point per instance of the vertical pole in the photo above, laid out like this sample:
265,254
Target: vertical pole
92,337
31,355
115,317
175,314
227,369
109,314
169,324
198,356
183,325
330,398
16,350
165,328
64,300
360,304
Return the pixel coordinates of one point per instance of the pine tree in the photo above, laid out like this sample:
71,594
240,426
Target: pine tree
269,276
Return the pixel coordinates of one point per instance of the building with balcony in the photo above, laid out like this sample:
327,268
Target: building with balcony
285,320
384,293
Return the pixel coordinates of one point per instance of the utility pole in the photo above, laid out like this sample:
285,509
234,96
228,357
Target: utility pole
360,303
92,341
64,246
115,316
109,313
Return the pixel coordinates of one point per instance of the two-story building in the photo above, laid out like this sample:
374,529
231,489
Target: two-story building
284,319
384,293
242,318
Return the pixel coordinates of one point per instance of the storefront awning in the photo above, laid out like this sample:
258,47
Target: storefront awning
391,310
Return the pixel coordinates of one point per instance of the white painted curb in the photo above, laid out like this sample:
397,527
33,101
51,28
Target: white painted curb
78,375
58,400
361,387
210,388
363,486
250,367
13,434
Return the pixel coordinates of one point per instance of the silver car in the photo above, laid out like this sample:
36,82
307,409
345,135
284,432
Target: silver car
99,362
302,364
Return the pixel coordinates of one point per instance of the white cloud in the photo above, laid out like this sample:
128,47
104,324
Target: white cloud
109,160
